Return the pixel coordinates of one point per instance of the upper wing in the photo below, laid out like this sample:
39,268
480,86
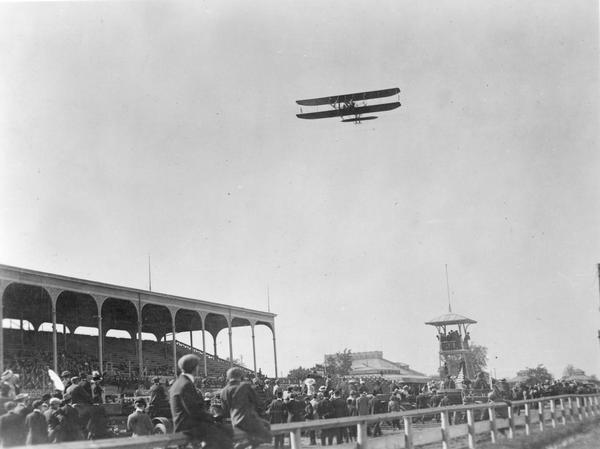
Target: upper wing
350,111
349,97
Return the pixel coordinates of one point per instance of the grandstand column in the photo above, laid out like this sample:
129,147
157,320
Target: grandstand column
274,347
252,323
3,285
203,345
54,292
174,348
139,337
230,343
99,300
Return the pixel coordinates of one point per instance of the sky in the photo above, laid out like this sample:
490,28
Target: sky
168,129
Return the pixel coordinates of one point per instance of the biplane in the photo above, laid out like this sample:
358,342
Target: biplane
350,107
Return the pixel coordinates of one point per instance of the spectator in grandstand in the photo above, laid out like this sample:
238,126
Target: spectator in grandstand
187,410
138,422
12,426
240,404
159,403
277,415
36,426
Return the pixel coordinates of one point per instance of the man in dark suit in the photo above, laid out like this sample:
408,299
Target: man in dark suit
159,403
240,404
12,427
36,426
277,415
187,408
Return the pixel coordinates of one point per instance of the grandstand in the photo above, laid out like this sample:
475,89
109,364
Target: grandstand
42,312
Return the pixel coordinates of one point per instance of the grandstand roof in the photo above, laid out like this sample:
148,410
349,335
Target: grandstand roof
78,302
450,318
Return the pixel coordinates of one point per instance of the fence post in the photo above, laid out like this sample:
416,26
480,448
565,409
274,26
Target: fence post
511,422
552,413
445,430
361,435
493,430
471,428
571,414
295,439
527,419
408,433
578,404
541,415
563,417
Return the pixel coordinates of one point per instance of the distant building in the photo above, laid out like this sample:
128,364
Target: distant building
372,364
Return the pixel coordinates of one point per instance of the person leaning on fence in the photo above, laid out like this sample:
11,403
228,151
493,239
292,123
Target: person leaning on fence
240,404
187,409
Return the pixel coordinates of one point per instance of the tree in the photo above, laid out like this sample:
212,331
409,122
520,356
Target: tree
477,358
537,375
339,364
300,373
570,370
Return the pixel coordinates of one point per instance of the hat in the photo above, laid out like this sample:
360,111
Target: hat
66,374
188,363
140,401
207,396
96,375
74,379
54,401
156,379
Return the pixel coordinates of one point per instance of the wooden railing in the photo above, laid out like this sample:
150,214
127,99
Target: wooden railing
545,412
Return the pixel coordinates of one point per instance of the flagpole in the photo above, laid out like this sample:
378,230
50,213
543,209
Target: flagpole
448,289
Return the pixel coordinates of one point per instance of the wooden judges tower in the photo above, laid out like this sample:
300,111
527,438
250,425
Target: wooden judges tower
454,340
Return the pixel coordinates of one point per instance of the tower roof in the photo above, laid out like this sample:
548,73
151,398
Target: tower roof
450,318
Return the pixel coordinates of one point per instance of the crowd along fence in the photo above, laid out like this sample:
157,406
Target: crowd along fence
472,423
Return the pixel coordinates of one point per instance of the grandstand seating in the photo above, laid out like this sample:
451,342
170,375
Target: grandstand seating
28,350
